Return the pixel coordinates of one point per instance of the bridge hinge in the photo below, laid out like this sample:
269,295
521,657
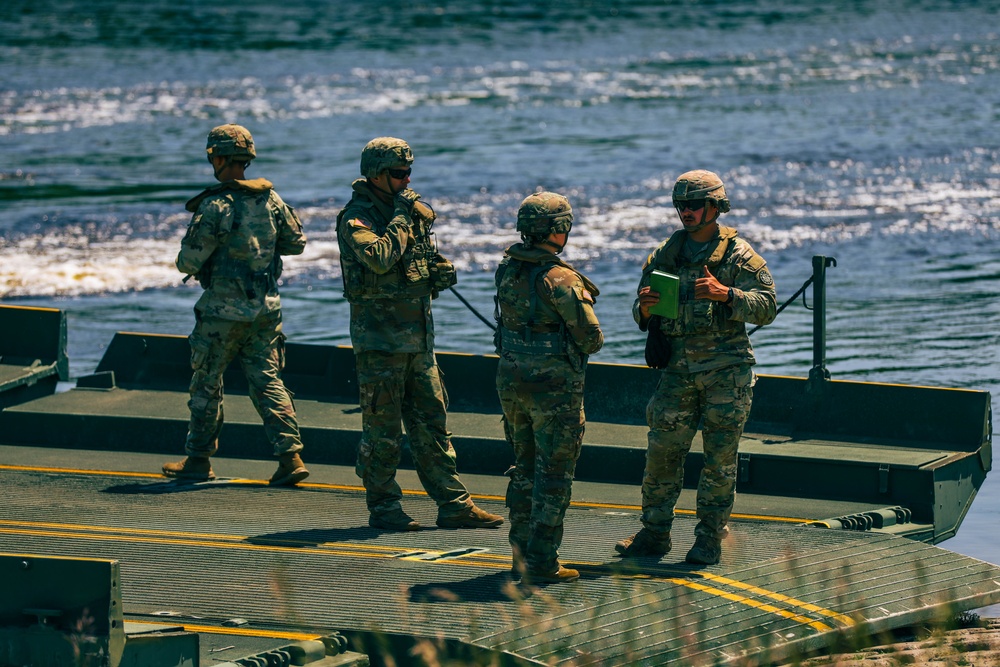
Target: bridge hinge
881,518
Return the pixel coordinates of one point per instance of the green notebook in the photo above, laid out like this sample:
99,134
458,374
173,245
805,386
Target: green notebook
669,287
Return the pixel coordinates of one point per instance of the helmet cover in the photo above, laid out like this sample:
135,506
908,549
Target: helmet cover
544,213
383,153
230,141
701,184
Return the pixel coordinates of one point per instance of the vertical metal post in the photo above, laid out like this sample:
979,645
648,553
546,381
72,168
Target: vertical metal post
819,370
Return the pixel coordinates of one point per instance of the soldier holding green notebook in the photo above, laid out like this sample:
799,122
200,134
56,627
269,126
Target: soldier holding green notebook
708,284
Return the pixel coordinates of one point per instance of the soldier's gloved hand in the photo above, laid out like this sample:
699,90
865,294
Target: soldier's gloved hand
407,198
443,274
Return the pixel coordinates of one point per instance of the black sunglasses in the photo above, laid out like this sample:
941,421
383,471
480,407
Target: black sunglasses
399,174
690,205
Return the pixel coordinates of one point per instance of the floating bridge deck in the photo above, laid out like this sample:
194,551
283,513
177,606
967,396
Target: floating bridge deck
872,464
305,560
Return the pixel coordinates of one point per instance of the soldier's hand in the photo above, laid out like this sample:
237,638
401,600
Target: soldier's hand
647,299
443,274
709,287
407,198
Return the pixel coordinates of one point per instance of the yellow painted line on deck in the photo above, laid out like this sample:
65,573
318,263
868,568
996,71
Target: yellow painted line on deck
757,604
843,619
345,487
481,560
235,632
147,535
77,471
847,621
141,539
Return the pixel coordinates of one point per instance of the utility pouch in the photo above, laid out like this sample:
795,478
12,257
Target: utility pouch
417,269
657,344
700,316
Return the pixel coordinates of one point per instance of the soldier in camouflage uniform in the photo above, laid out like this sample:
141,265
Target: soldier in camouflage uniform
233,246
546,328
391,270
708,378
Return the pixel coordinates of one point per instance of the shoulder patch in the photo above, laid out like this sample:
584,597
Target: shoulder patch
582,294
358,222
764,277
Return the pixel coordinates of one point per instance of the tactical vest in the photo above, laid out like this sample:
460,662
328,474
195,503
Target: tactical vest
408,278
255,282
543,331
700,316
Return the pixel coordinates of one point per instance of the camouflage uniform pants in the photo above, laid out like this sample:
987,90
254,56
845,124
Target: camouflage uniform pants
546,432
260,347
719,399
400,389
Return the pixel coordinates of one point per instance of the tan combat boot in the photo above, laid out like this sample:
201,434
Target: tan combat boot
471,517
193,467
557,576
706,551
290,471
644,543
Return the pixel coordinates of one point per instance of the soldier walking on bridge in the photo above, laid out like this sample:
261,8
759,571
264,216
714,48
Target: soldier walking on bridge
546,329
233,246
707,376
391,271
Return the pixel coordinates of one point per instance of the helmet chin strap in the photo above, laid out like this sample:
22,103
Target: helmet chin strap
558,248
386,191
219,170
703,223
380,189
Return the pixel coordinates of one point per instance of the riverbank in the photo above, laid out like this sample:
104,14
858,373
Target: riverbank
962,647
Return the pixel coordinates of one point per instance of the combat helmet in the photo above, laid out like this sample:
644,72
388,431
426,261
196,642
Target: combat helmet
232,141
701,184
544,213
383,153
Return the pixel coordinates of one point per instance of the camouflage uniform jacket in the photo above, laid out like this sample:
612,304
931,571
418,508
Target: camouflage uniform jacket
546,322
710,334
234,244
386,278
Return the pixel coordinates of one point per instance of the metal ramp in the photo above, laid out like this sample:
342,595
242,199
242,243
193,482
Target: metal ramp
304,560
32,353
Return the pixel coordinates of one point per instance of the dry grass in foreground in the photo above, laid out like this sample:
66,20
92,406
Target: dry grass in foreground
964,647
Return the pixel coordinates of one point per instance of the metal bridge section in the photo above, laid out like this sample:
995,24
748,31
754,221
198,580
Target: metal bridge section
236,551
842,489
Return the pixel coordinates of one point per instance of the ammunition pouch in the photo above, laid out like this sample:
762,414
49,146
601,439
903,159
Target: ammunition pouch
421,256
555,343
699,317
417,261
531,343
254,283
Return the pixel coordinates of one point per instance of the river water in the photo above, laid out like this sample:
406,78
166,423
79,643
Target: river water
862,130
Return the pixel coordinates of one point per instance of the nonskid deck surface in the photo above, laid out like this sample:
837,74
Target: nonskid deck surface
305,560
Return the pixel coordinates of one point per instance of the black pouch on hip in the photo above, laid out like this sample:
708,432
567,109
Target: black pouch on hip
657,344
